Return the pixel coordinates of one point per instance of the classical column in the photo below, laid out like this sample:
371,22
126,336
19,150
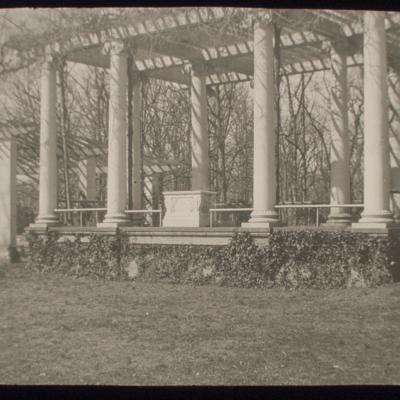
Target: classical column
117,130
8,195
136,153
394,140
48,170
264,169
87,178
376,212
340,163
200,163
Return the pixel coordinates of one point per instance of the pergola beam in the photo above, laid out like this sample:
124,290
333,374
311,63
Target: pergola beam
171,48
170,75
239,65
89,58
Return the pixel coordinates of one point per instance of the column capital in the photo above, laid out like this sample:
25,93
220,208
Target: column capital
51,62
52,58
198,68
119,48
262,18
373,20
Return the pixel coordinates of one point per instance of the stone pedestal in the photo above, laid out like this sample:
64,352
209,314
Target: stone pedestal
8,195
188,208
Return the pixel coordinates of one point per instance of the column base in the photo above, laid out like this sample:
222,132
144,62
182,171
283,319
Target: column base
188,208
115,221
262,224
339,219
263,219
46,221
373,225
137,219
113,224
379,220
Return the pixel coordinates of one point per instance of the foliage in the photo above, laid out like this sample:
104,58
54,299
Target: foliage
291,259
237,217
99,258
13,254
25,216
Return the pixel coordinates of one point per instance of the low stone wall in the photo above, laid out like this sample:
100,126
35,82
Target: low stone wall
293,259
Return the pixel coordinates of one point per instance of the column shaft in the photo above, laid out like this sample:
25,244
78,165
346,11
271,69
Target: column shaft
200,163
376,135
87,178
264,169
8,195
340,165
136,165
394,142
48,170
136,147
117,130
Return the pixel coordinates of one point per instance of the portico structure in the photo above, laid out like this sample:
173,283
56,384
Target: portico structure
326,40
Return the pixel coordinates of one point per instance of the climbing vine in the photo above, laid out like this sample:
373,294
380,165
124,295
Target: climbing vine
301,259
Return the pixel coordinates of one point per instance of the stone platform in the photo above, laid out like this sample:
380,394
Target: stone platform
202,235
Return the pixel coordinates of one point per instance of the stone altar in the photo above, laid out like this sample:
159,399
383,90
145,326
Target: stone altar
188,208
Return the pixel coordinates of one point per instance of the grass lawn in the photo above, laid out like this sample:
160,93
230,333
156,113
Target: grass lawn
60,330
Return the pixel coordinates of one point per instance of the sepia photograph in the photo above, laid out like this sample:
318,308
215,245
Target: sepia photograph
199,196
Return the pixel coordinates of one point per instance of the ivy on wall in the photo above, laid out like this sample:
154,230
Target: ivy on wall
300,259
